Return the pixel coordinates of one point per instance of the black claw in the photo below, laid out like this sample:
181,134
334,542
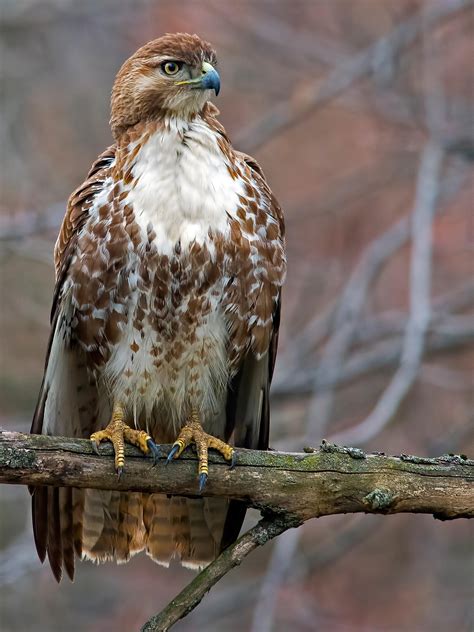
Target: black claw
233,460
155,451
202,481
95,447
119,471
173,451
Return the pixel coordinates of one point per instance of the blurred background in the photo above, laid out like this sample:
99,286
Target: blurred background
361,114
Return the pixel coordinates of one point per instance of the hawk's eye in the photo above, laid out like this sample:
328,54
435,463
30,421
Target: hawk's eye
171,67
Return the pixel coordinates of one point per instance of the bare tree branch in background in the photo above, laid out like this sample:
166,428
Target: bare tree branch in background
286,114
352,298
448,335
427,194
272,31
283,553
346,319
420,285
391,322
333,368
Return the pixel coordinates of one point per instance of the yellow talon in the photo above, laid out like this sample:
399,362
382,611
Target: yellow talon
193,432
118,432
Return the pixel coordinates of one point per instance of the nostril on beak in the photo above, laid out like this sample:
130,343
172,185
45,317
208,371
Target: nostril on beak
206,67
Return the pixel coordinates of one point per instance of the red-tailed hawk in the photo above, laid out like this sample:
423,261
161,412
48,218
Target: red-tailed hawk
169,267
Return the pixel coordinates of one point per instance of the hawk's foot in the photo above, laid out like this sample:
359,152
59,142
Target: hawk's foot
119,433
193,432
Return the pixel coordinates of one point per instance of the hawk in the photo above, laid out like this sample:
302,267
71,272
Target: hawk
164,327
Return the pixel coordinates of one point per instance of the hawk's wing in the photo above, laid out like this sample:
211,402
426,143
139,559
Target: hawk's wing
78,209
76,215
67,402
248,407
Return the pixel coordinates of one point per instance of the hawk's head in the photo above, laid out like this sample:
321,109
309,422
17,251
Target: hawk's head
172,75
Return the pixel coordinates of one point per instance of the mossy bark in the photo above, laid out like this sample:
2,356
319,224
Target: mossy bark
313,483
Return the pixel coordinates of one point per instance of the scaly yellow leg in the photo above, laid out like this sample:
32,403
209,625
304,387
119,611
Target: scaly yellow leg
118,432
193,432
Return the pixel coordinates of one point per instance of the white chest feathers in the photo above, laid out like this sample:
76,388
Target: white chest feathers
182,185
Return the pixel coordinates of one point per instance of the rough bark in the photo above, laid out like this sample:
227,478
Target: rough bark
329,480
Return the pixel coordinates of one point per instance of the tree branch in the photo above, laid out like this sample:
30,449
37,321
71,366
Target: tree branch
345,537
329,481
383,355
268,528
288,488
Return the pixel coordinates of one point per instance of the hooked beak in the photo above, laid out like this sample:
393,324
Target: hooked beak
209,79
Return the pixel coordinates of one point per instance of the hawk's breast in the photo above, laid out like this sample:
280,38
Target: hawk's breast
182,186
180,269
173,347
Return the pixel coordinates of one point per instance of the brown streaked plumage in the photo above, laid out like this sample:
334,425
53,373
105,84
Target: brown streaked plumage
169,267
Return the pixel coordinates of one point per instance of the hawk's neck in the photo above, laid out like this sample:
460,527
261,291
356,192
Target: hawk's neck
180,178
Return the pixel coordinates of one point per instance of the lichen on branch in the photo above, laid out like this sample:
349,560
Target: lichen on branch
317,482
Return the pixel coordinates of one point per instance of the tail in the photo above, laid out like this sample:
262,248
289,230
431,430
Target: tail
188,529
117,525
